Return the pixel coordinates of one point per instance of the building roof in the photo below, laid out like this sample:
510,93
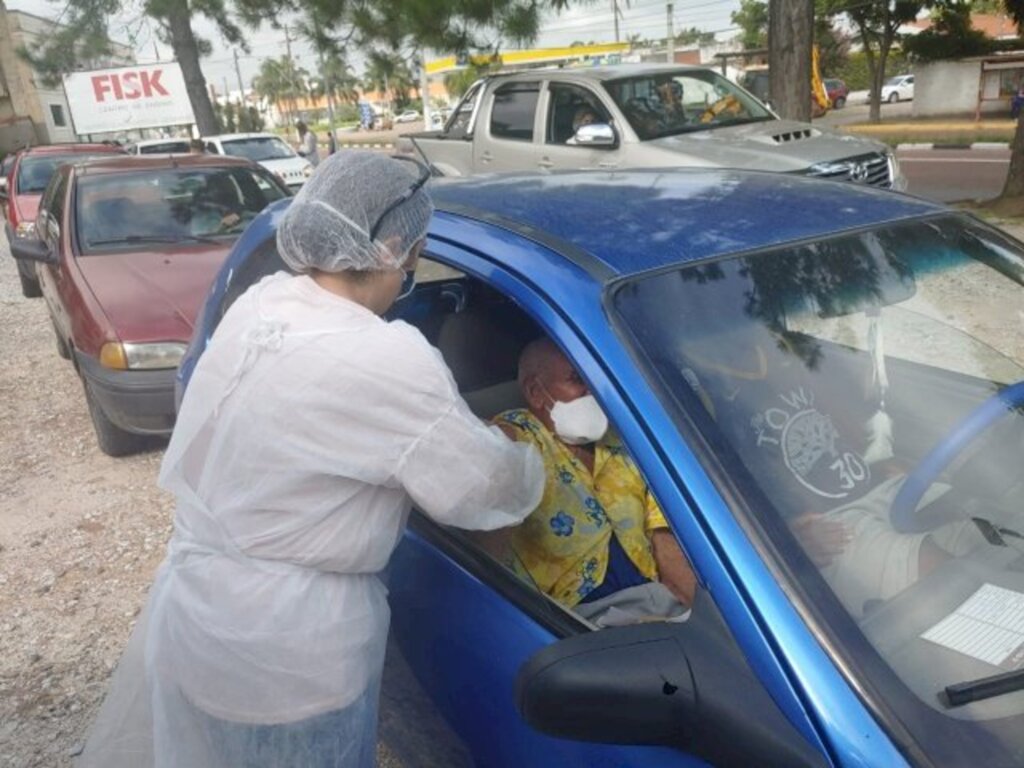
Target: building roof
637,220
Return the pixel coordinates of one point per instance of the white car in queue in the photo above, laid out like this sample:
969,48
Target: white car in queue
268,150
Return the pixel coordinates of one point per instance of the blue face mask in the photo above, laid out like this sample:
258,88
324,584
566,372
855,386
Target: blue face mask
408,283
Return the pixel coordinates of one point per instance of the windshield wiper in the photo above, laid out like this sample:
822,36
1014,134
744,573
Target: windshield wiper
153,239
959,694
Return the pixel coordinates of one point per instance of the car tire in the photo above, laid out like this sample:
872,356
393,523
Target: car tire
839,103
112,440
62,346
894,97
30,287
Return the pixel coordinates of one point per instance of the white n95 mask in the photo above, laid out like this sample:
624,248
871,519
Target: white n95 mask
580,421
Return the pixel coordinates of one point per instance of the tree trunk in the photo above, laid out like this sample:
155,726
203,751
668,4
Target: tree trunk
1015,177
186,51
790,37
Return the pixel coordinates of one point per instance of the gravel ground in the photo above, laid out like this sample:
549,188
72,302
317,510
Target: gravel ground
81,535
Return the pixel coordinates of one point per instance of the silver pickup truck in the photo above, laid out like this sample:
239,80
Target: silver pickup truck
634,116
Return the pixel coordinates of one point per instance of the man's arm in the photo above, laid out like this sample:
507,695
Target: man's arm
674,570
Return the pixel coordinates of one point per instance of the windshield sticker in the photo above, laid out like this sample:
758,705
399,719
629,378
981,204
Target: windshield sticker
988,626
811,447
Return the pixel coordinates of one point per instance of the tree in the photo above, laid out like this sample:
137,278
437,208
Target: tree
694,36
1013,190
833,43
877,24
951,35
282,82
752,19
390,74
85,32
790,37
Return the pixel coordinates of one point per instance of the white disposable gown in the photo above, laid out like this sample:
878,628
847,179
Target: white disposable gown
309,427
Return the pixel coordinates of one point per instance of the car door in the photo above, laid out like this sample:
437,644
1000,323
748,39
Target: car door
561,104
505,136
50,227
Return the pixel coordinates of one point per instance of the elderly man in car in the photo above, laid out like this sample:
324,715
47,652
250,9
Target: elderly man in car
598,543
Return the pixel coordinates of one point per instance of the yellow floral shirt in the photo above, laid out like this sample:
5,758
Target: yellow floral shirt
562,547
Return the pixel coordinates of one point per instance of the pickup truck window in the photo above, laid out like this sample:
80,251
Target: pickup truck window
513,111
569,107
460,127
670,103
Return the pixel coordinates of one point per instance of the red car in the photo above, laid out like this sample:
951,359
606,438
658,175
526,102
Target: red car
838,92
125,250
28,177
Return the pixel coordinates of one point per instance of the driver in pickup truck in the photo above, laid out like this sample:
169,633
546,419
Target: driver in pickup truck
598,543
815,461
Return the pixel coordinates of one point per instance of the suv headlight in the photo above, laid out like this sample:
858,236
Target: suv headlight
25,229
307,171
141,357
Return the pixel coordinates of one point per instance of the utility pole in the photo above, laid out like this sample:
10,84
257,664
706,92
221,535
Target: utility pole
615,16
327,92
156,51
238,74
291,70
425,90
670,44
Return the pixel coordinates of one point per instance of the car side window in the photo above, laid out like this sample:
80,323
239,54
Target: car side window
212,148
481,335
568,107
513,111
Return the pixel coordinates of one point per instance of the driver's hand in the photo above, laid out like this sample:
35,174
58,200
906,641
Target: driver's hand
230,220
821,539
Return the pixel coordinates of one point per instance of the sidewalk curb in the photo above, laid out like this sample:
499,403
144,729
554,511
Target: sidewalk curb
956,145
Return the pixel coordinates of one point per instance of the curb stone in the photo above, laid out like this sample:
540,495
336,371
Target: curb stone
954,145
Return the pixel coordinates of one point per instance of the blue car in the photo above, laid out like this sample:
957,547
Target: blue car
820,383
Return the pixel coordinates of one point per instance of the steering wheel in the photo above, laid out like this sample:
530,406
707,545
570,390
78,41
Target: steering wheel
904,515
725,104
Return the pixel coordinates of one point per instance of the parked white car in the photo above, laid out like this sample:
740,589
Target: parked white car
409,116
900,88
266,149
158,147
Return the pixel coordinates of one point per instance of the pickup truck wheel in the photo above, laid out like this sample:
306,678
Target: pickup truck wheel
62,346
839,103
894,97
29,287
112,440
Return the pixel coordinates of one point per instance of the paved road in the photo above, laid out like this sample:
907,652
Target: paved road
949,175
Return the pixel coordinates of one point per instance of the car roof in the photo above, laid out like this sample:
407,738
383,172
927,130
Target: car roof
63,149
632,221
126,163
151,142
234,136
600,74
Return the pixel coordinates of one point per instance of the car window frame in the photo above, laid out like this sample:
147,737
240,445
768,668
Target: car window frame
535,86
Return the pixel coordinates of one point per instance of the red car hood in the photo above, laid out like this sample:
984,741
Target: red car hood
27,207
153,295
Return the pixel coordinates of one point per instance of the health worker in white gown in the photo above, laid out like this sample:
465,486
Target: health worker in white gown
308,429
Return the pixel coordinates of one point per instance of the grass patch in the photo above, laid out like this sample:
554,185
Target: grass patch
929,135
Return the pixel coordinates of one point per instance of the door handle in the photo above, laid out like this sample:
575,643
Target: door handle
485,157
545,162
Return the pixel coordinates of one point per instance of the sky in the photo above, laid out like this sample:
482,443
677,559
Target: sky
583,22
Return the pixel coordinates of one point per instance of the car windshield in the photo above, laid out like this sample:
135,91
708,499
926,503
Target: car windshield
259,148
35,171
665,103
164,148
122,210
859,397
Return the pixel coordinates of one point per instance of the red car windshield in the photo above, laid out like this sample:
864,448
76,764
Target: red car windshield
172,205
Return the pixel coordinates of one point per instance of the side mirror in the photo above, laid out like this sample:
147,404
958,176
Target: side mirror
684,685
595,135
31,249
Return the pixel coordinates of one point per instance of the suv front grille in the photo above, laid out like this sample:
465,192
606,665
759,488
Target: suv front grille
870,169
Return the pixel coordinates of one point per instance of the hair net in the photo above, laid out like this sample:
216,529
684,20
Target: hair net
327,227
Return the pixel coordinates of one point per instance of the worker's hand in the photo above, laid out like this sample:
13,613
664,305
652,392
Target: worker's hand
822,539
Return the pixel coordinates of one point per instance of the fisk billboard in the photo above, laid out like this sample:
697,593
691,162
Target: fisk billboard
143,96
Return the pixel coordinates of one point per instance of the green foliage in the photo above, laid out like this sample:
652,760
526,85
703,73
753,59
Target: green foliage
752,18
951,35
833,45
694,36
390,74
855,73
282,83
82,41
